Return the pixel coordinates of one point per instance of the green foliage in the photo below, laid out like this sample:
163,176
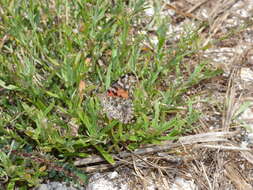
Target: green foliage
19,170
50,49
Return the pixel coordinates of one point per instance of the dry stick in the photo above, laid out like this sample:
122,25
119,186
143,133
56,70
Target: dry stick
148,150
187,140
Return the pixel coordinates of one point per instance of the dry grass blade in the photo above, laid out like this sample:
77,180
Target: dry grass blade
248,156
197,6
206,137
217,17
221,7
3,40
236,177
184,14
230,101
205,175
215,27
221,147
233,100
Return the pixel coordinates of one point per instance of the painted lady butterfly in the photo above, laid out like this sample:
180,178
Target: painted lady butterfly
117,102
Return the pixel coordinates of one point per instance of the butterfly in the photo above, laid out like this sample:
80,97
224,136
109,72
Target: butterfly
117,101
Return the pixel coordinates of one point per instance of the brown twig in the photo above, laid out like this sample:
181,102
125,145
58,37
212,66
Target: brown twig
188,140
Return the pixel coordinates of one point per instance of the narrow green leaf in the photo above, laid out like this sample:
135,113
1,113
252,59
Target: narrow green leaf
52,94
105,154
108,77
8,87
11,185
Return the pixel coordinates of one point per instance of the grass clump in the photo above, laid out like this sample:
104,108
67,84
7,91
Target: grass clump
56,57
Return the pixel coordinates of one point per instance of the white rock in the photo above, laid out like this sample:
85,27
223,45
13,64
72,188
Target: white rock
107,181
181,183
